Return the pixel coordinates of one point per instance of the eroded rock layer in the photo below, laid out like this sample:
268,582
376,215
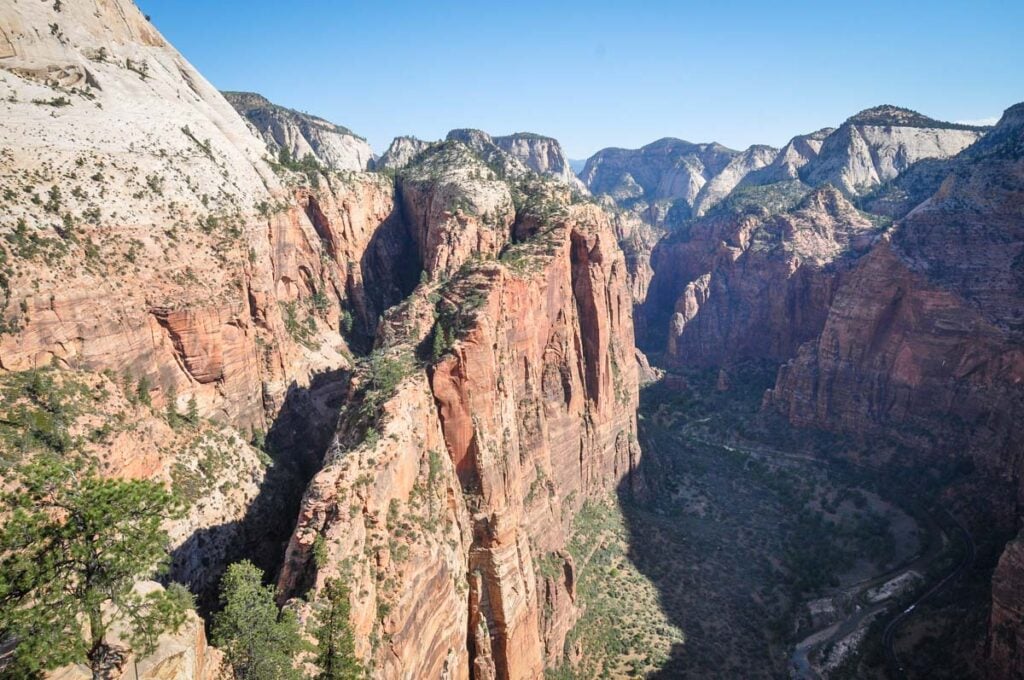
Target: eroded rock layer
464,500
145,237
754,285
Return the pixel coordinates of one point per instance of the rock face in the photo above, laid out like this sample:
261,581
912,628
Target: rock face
719,186
708,292
654,179
301,134
923,340
541,154
144,236
917,334
399,153
161,251
797,153
1006,622
464,501
180,655
172,255
910,329
456,208
756,285
637,240
879,143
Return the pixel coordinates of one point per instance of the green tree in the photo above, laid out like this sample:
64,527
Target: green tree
260,641
440,345
192,414
142,391
72,545
173,417
335,643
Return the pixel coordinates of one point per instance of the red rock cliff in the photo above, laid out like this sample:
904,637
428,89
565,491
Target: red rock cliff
529,411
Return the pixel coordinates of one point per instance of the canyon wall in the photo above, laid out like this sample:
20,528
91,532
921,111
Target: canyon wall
1006,622
752,284
924,341
462,493
151,253
301,135
910,329
926,332
177,262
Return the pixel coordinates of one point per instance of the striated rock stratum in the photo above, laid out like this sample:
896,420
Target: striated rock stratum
414,371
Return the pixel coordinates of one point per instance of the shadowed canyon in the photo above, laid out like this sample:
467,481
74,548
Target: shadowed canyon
690,411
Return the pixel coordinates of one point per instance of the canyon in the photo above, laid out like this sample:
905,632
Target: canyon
482,390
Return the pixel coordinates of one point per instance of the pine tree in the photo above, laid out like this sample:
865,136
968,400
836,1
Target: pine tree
335,643
192,414
72,543
142,391
173,417
260,641
440,345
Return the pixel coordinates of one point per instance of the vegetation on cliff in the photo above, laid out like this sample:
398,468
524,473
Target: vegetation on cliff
73,546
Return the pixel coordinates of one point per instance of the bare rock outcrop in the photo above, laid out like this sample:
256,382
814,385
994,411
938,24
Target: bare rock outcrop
664,175
797,153
456,207
400,153
302,134
719,186
183,654
541,154
465,499
878,143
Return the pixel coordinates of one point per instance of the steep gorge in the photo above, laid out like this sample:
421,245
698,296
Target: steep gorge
219,274
440,356
905,330
469,483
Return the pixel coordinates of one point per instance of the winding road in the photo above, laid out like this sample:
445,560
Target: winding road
864,611
889,637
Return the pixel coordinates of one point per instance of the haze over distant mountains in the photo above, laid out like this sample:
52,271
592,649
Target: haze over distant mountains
513,402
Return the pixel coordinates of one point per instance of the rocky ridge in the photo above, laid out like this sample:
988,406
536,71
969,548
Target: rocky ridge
301,134
525,410
399,153
541,154
219,272
722,184
877,144
656,179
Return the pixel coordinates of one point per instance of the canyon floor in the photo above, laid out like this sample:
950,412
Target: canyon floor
766,553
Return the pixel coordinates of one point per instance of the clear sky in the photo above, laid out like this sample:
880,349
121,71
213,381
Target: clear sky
596,74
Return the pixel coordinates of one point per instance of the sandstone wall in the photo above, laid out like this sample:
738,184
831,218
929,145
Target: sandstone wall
488,454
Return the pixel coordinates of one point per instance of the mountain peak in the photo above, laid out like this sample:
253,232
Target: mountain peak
246,100
897,116
253,104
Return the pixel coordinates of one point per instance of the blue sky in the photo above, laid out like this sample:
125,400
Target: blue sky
596,74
